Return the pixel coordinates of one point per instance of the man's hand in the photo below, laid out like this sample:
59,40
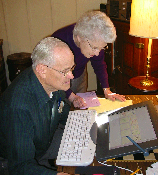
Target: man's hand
112,96
77,101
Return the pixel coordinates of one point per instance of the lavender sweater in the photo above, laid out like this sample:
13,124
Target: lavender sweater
100,68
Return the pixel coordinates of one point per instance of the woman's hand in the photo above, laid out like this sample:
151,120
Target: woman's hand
112,96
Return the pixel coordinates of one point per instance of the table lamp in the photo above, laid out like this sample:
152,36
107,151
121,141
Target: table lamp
144,24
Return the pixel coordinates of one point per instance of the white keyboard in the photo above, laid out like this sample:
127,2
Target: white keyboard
78,142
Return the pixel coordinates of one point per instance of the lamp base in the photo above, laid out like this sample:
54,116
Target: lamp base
146,82
150,85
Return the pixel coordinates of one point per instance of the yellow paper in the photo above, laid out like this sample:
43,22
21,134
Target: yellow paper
106,105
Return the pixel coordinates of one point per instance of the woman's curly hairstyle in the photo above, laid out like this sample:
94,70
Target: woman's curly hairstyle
95,25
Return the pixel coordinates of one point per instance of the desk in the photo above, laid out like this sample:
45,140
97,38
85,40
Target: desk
130,164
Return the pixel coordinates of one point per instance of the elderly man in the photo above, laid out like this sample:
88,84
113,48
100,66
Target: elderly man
33,112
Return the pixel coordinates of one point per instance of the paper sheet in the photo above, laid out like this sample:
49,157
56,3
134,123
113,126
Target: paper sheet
90,98
107,105
153,169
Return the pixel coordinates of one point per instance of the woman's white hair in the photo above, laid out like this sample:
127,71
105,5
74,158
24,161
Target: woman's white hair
95,25
43,53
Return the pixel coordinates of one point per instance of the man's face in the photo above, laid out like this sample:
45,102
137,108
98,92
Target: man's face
58,75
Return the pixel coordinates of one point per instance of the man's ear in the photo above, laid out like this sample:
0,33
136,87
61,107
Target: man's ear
78,38
41,70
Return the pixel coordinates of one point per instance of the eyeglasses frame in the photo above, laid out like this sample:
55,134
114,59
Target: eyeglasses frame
64,73
93,48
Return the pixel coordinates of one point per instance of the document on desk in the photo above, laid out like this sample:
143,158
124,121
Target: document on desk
90,98
107,105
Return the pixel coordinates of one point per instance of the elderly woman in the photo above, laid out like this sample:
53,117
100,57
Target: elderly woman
87,40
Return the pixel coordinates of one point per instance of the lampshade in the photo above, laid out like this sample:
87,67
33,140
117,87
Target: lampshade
144,18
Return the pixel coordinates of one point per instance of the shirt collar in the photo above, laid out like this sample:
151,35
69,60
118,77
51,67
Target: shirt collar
41,94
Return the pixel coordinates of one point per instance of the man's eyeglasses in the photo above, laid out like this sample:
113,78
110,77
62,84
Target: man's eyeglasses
65,72
97,48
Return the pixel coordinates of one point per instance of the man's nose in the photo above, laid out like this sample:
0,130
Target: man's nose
70,75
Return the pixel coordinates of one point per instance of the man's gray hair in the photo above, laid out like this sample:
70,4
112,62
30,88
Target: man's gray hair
43,53
95,25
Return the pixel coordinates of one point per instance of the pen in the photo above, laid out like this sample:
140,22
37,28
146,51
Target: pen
144,151
112,94
108,160
135,172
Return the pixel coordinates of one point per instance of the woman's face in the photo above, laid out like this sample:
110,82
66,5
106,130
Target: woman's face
91,48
